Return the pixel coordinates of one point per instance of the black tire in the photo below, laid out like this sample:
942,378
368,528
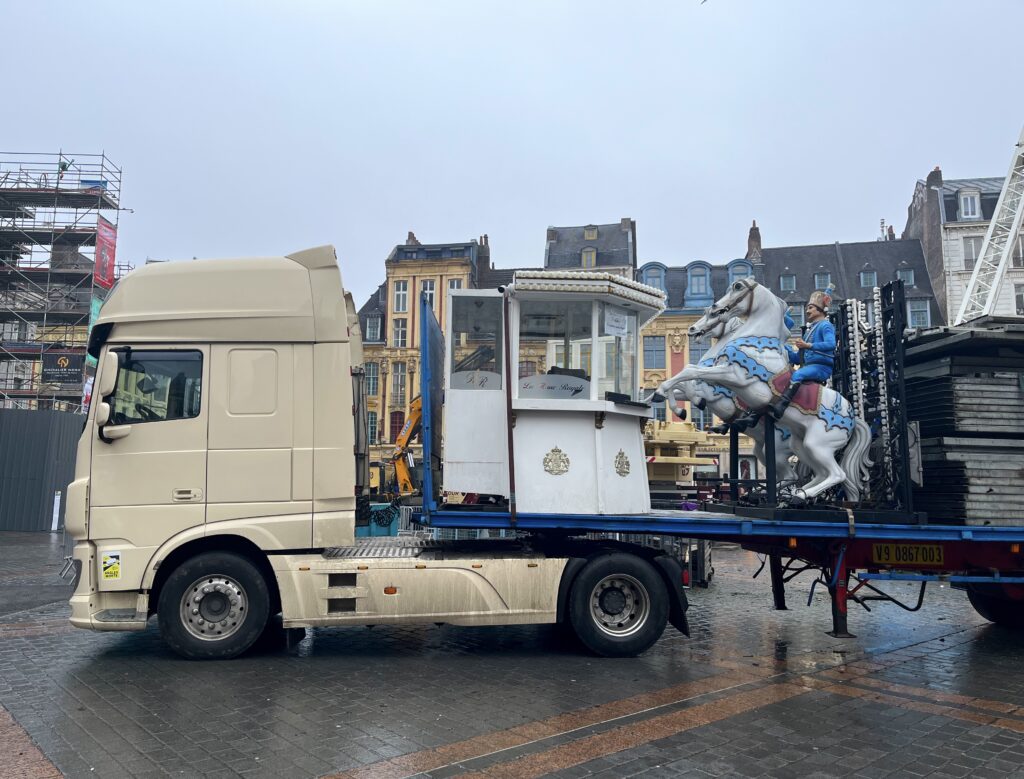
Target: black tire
231,597
997,608
618,605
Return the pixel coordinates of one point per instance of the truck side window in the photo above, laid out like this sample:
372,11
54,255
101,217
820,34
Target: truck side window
156,386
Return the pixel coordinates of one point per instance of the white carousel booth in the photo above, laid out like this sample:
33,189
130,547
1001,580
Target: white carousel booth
573,343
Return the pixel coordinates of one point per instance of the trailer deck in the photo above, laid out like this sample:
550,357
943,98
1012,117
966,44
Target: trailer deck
713,525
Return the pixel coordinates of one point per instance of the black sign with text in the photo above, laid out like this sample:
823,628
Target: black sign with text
62,368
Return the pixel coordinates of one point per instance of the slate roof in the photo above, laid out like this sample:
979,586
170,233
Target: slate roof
989,189
492,278
845,261
677,278
376,305
615,246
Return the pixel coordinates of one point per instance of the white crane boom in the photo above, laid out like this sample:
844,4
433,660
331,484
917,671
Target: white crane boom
1003,232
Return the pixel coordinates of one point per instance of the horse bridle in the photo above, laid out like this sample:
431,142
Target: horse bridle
748,295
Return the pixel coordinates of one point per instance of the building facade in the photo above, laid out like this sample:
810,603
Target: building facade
666,347
950,218
610,248
853,270
390,319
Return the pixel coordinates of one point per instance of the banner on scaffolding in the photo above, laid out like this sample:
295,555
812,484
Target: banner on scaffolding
62,368
106,243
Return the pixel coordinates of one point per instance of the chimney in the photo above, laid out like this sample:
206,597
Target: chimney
753,243
412,240
891,234
487,241
552,234
626,224
934,178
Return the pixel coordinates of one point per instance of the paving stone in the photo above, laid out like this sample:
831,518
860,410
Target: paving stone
752,693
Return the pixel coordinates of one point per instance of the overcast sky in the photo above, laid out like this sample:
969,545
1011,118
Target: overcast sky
248,128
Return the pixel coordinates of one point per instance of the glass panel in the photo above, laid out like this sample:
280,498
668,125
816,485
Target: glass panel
399,334
371,426
398,383
787,283
477,342
557,334
401,297
156,386
617,330
372,375
654,352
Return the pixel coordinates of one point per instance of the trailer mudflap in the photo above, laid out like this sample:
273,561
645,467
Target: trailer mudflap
672,572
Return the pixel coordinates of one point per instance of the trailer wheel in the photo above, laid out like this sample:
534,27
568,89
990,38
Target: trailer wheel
618,606
997,608
213,606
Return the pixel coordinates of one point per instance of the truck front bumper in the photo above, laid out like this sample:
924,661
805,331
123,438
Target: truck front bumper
95,610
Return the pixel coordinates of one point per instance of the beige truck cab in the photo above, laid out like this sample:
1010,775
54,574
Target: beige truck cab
221,467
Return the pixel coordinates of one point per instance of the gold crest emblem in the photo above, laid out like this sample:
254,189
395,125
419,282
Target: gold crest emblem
556,462
622,464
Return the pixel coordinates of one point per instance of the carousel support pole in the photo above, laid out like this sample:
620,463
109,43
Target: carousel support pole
734,464
837,591
778,585
769,460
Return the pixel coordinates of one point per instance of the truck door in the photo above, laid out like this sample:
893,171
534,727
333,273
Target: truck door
148,471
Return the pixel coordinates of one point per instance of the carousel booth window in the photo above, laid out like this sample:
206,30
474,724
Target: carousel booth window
556,338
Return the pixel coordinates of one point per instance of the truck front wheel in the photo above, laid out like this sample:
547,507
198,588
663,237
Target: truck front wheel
213,607
618,605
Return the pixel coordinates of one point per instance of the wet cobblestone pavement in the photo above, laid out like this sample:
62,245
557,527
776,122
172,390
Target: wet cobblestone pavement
753,692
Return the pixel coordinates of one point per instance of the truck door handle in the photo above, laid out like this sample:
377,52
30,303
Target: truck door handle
186,495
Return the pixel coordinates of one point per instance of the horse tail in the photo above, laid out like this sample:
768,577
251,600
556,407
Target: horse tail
856,460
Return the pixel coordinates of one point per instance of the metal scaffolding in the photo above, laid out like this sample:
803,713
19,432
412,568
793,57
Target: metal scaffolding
58,233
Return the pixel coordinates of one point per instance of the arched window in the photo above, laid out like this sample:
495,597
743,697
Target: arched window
589,257
653,276
739,270
698,285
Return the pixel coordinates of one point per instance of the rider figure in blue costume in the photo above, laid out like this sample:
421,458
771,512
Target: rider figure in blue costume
816,351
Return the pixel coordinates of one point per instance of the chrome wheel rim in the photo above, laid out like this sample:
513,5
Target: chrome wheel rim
213,607
620,605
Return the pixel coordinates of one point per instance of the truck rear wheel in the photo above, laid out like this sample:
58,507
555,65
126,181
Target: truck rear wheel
994,606
213,607
618,605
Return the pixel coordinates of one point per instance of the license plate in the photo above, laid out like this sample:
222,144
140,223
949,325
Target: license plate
907,554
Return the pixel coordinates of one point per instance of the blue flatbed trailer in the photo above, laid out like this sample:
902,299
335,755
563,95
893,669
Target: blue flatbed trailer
985,560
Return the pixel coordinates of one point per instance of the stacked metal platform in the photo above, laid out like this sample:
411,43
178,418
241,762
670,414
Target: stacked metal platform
965,390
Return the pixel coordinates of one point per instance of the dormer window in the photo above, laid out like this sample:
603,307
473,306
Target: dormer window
590,233
970,205
787,282
653,277
739,270
868,278
698,281
589,257
822,280
373,329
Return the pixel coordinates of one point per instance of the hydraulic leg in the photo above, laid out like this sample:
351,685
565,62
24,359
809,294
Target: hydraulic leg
778,585
837,590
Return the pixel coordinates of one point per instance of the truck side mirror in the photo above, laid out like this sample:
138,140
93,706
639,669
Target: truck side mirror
108,374
102,413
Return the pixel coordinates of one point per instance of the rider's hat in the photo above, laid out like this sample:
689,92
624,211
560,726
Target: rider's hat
821,299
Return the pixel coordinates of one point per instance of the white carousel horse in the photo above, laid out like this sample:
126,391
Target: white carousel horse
721,401
752,362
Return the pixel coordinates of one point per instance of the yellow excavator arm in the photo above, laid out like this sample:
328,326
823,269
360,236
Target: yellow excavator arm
400,458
